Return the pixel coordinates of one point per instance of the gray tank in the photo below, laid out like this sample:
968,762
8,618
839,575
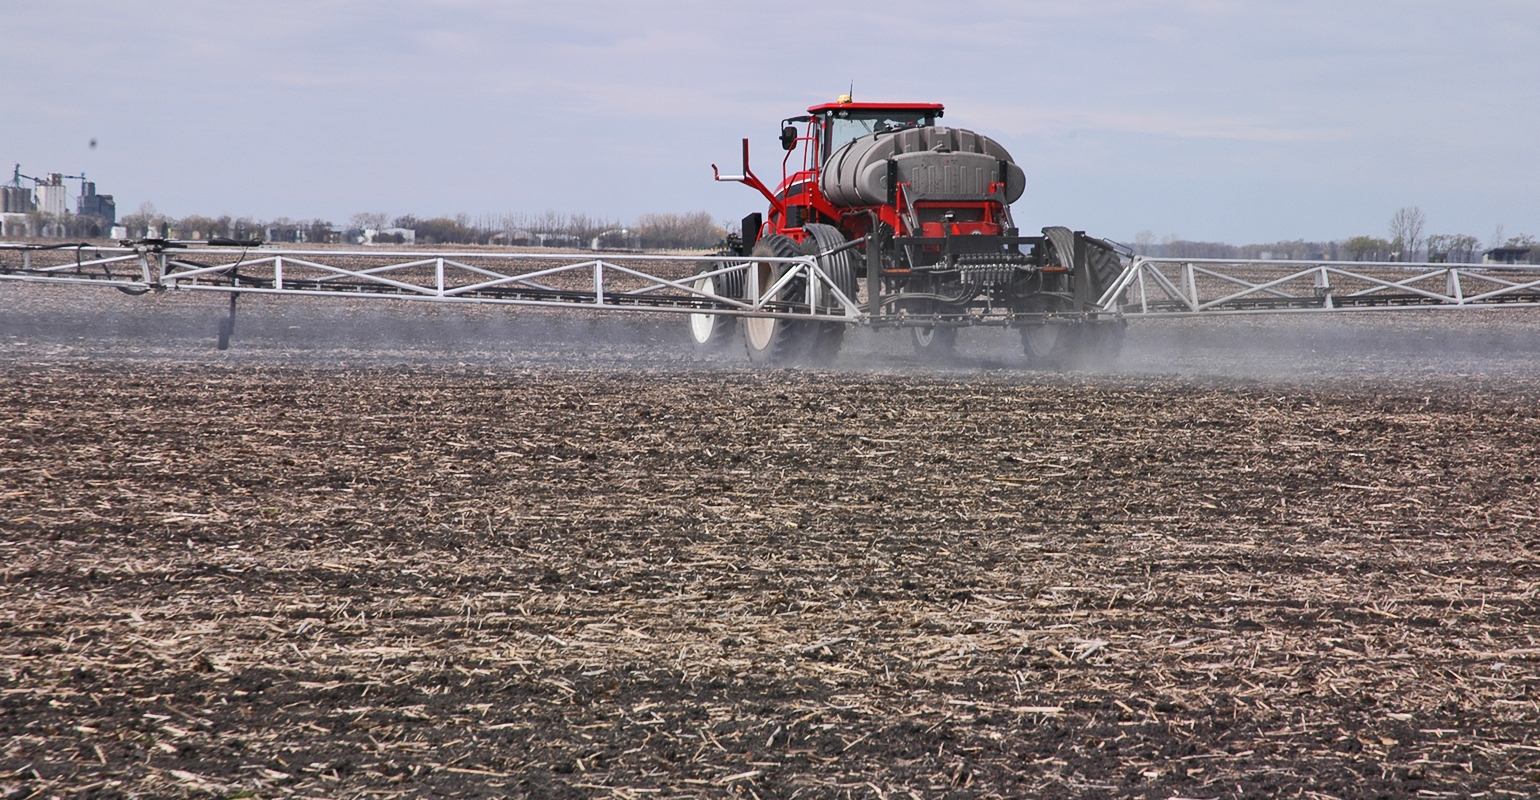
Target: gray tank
937,163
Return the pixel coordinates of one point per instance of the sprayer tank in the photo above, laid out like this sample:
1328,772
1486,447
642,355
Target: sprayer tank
936,164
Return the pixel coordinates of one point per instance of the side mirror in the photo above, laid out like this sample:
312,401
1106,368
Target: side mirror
788,138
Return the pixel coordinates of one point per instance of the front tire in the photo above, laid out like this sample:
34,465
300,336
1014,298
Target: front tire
1088,345
1102,343
770,340
934,345
1045,345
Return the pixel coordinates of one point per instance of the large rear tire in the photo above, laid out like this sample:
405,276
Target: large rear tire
770,340
1103,265
712,332
827,337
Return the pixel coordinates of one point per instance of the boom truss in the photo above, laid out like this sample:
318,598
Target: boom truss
611,282
1186,287
1146,288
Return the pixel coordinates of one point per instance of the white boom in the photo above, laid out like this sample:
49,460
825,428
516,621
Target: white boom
610,282
1146,288
1186,287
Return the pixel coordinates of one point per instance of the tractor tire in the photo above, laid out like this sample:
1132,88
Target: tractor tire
1100,344
934,345
827,337
710,333
770,340
1088,346
1105,265
1047,346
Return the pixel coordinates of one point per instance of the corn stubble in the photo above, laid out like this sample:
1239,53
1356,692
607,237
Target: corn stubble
579,582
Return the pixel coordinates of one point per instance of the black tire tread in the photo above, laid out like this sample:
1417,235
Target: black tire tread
828,337
789,340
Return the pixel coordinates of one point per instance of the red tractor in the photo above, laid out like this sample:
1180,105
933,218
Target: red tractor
918,215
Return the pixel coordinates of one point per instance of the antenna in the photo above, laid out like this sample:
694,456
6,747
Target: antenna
852,93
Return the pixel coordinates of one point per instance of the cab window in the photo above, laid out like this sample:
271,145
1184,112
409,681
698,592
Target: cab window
847,125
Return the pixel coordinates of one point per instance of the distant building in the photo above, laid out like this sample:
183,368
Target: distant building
617,239
1507,255
16,200
559,240
284,233
52,196
513,237
15,224
96,205
390,236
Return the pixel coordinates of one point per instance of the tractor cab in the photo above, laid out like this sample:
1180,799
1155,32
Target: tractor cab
834,124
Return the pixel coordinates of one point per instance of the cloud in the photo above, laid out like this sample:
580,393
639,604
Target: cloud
1024,121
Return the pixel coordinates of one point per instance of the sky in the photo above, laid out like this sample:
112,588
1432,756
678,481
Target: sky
1212,120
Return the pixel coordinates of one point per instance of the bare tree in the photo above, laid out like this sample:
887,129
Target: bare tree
1297,250
1464,248
370,222
1182,248
1144,241
678,231
550,222
1406,232
1438,248
586,227
1367,248
1455,248
1497,237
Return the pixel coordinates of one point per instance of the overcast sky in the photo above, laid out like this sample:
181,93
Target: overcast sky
1205,119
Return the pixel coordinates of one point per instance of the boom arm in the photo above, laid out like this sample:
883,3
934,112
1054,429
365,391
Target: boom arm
750,179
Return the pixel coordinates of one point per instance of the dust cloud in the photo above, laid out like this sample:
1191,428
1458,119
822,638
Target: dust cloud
87,323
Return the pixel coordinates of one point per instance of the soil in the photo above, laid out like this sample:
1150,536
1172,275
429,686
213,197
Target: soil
440,553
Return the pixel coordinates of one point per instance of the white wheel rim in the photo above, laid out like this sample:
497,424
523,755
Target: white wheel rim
1042,338
761,330
924,336
702,325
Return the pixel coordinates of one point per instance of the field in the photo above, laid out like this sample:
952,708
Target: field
409,551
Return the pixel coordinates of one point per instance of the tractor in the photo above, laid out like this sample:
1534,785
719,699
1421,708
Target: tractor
917,214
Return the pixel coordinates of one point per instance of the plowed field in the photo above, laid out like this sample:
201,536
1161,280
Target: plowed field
585,563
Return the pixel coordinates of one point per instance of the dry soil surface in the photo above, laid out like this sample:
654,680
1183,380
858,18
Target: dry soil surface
430,552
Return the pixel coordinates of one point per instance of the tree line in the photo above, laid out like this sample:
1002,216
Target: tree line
695,230
1405,241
